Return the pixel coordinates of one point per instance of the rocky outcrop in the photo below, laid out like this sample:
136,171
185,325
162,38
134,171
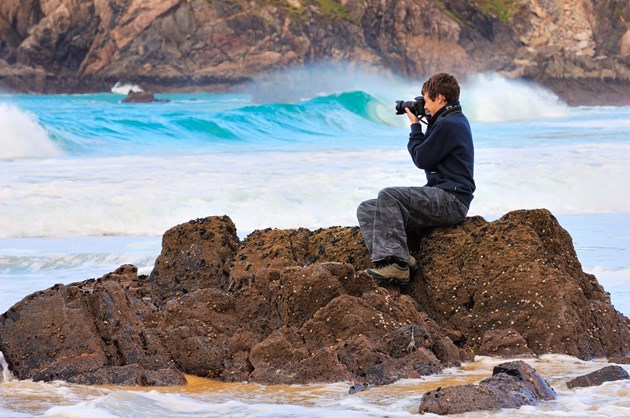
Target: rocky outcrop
294,306
519,273
220,44
89,333
512,385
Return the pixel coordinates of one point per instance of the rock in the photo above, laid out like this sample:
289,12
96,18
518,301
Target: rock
596,378
295,306
504,343
512,385
625,359
141,97
358,388
518,275
219,45
90,333
195,255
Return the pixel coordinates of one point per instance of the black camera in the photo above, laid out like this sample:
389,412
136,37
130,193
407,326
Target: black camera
416,106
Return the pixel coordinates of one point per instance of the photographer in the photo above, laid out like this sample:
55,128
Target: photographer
446,154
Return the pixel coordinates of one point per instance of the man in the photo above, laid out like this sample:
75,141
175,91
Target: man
446,154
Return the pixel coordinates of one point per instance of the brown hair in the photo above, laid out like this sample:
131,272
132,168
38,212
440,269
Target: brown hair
442,83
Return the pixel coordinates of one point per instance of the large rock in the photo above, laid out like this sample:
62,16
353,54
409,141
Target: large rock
90,332
175,44
294,306
518,275
512,385
141,97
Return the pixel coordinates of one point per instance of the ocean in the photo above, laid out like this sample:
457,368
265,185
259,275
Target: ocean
88,183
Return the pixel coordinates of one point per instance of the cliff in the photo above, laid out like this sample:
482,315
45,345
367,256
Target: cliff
294,306
580,48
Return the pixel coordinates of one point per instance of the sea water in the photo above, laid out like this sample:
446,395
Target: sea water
88,183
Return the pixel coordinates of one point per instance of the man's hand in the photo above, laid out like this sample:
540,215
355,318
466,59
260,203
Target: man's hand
412,118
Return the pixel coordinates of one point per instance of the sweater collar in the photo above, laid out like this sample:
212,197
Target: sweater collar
445,110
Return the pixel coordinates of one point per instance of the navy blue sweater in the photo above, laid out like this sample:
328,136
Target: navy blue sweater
445,153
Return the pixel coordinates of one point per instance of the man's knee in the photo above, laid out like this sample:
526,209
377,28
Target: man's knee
365,208
390,194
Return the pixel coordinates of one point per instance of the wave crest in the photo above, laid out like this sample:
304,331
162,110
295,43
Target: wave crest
23,136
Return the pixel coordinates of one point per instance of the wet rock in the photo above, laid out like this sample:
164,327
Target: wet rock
620,359
195,255
294,306
142,97
90,332
516,276
512,385
359,387
596,378
504,343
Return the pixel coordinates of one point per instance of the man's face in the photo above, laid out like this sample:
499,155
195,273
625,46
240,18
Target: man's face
432,106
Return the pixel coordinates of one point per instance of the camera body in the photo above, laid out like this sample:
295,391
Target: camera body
416,106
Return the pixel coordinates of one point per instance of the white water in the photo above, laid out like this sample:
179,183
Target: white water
22,136
147,195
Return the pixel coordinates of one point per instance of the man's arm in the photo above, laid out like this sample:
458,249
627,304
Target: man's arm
427,151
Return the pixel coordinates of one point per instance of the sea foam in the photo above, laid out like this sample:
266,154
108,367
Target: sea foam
23,136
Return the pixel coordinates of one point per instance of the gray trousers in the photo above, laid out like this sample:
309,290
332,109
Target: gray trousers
397,211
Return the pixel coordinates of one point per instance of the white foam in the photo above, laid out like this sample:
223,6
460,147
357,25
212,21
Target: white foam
147,195
398,400
6,373
490,97
22,135
125,88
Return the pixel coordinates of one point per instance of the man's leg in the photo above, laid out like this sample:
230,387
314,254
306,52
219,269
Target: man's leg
365,215
402,209
389,238
432,207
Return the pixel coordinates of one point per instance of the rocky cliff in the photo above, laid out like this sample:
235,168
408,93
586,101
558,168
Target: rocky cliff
294,306
581,48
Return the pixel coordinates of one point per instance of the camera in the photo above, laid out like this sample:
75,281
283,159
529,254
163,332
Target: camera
416,106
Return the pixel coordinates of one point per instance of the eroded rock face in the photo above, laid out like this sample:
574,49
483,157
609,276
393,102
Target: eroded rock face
294,306
175,44
518,273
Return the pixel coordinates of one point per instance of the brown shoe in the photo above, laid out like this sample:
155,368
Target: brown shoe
391,273
413,266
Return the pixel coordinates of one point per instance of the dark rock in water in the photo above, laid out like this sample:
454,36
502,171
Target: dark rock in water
596,378
294,306
358,388
141,97
512,385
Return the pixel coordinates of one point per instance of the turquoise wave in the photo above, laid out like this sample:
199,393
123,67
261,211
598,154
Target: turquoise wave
102,124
